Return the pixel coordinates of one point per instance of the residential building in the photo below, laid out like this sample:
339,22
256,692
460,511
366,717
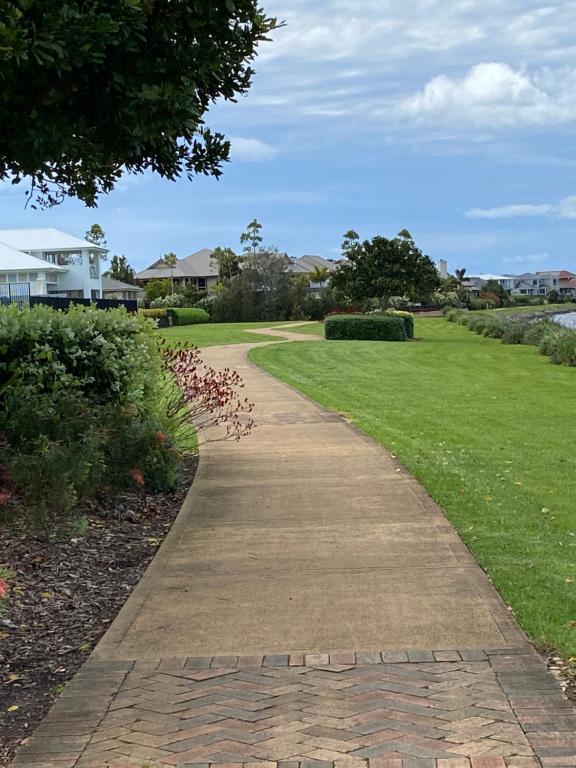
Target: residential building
20,270
116,289
526,284
200,270
197,269
63,265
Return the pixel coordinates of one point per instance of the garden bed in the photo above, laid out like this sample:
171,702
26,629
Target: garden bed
65,594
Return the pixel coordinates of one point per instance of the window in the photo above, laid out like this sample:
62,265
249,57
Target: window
201,282
12,277
64,258
94,260
22,277
32,276
2,277
555,282
534,282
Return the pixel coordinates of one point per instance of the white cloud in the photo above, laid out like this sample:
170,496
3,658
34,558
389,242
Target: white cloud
530,258
251,150
494,94
565,209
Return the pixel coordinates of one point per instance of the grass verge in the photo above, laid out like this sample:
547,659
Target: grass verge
488,429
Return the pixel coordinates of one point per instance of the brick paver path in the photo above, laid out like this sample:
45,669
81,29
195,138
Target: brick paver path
311,608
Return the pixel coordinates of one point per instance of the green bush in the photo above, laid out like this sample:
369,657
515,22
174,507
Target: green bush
408,319
559,344
453,315
154,313
536,331
365,327
514,329
189,315
78,394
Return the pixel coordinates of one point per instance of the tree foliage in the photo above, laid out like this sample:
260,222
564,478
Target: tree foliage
96,235
89,90
120,270
227,262
380,268
252,239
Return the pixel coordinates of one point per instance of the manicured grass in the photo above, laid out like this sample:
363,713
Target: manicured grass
488,429
211,334
316,329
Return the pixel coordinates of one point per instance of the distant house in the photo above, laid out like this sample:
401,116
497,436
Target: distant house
115,289
526,284
307,265
196,269
51,262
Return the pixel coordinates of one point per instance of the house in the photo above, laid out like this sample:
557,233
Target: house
307,265
197,269
63,265
116,289
22,274
526,284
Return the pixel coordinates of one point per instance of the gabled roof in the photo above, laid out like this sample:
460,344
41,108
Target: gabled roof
109,284
47,239
312,261
13,260
198,264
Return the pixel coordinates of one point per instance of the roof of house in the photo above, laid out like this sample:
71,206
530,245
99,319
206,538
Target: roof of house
46,239
198,264
316,262
109,284
13,260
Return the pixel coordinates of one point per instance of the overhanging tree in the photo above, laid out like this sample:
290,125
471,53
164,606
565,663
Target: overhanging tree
89,90
380,268
120,270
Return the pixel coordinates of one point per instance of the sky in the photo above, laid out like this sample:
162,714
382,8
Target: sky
454,119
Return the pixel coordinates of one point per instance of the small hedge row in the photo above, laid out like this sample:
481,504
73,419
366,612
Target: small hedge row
155,313
408,319
365,327
552,339
188,315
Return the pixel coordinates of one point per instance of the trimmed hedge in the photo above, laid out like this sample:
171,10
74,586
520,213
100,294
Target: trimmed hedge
154,312
365,327
408,319
188,315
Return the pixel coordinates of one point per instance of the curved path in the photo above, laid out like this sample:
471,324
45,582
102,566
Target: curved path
310,605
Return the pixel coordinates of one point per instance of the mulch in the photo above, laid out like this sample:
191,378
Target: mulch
63,597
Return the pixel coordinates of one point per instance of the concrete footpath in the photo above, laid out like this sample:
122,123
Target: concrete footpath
311,607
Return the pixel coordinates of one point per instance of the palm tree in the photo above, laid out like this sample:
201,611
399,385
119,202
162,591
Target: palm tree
170,260
320,275
460,276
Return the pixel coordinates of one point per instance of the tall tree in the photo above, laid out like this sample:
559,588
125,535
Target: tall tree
90,90
96,235
170,260
252,239
459,275
226,262
120,270
380,268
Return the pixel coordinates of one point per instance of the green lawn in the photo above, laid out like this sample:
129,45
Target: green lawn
489,429
316,329
211,334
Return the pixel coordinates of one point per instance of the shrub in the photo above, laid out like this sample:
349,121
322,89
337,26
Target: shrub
189,316
65,378
536,331
5,575
408,319
365,327
514,329
171,300
493,328
453,315
399,302
559,345
154,313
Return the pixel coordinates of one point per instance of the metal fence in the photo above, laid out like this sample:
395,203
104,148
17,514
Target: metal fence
15,293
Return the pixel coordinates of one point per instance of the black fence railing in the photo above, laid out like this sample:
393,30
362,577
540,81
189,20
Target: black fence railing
59,302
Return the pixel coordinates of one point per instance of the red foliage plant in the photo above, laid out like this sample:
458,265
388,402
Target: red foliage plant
204,396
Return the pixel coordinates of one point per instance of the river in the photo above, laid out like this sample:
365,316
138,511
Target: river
568,319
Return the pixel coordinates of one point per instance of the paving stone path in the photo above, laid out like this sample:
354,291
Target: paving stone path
311,608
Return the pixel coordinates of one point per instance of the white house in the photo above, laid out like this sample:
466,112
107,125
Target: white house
63,265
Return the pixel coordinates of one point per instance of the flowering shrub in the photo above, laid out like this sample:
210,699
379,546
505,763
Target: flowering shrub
4,576
194,393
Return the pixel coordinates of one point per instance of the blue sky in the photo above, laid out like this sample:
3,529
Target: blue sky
454,119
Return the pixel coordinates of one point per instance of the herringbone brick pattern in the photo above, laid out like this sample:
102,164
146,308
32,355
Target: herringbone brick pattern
498,709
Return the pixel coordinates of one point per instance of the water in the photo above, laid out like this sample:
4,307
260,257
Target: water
568,320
